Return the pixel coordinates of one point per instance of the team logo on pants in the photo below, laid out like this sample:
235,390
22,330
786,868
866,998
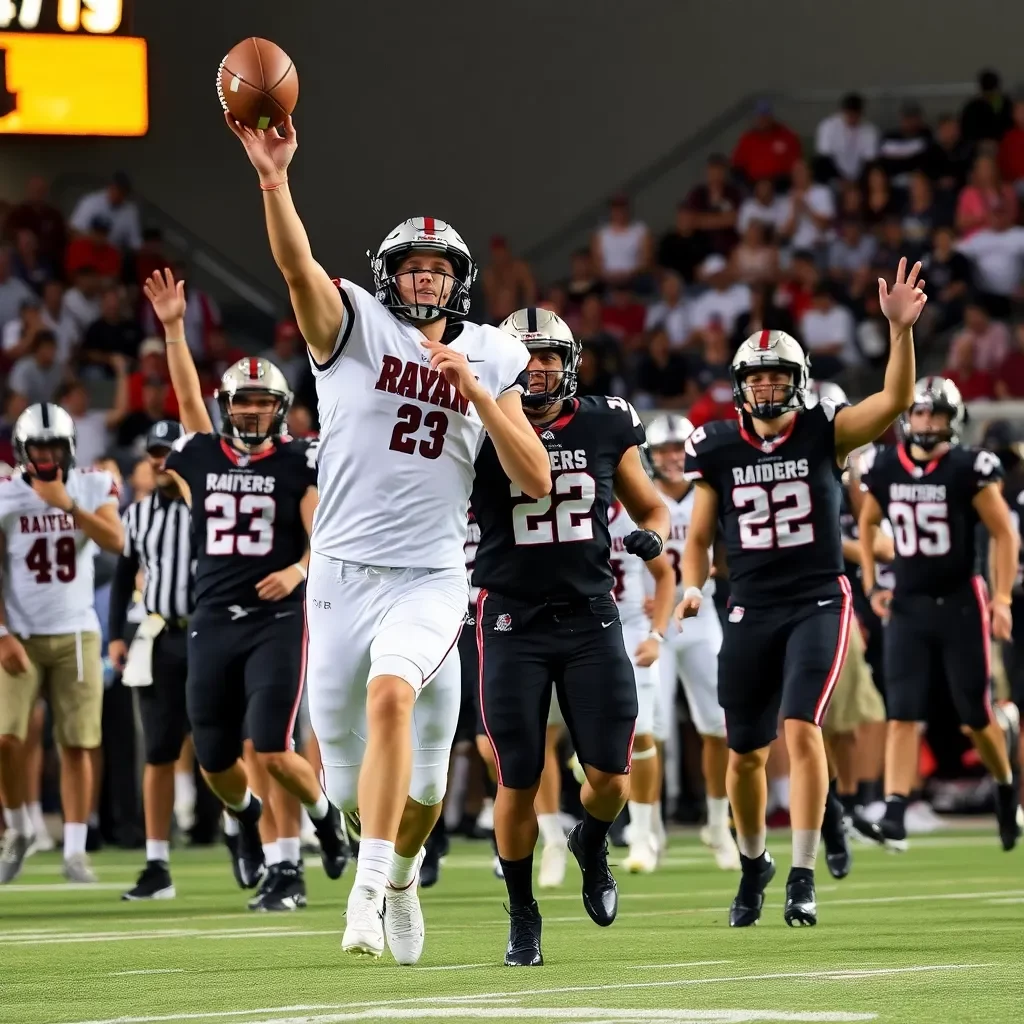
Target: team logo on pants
503,623
735,613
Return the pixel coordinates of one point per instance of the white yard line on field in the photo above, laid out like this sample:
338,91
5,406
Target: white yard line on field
155,970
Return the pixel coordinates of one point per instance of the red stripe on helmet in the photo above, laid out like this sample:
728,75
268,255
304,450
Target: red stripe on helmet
254,368
428,226
762,342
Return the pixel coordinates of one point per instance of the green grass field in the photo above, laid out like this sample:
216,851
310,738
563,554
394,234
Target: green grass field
936,934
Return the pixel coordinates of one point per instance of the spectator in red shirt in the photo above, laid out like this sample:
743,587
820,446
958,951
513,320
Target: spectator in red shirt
94,250
797,293
716,206
35,214
151,256
768,149
715,404
624,316
978,201
152,366
973,383
1011,149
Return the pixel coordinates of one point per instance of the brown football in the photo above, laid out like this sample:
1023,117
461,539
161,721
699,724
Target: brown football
257,83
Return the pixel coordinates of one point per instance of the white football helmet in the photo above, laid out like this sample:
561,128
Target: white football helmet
423,234
45,425
666,435
770,350
252,376
819,389
541,329
940,395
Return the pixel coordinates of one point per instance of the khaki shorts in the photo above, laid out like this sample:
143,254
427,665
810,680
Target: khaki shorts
856,700
67,670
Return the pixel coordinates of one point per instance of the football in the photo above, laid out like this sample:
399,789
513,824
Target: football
257,83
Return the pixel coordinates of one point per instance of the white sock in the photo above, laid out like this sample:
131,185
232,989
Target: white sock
184,788
403,870
657,825
230,824
158,849
639,821
805,847
752,846
288,850
718,812
35,815
780,791
551,830
246,800
318,811
75,833
272,853
19,820
374,864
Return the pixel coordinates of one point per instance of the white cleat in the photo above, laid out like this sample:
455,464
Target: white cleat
552,865
42,842
642,858
364,923
920,819
14,848
499,871
78,869
723,846
403,921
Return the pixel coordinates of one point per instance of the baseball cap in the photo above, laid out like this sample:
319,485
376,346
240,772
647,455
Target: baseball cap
151,347
163,434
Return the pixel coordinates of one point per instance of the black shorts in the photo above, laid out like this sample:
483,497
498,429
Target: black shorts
929,638
524,648
245,678
469,724
785,658
1013,654
162,704
874,629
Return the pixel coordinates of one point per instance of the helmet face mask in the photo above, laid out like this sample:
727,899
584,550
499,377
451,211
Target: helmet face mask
770,374
552,372
44,441
429,242
254,399
935,399
768,393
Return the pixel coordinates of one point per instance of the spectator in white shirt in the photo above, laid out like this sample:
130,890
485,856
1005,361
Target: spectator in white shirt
81,304
16,335
828,331
114,205
998,257
93,426
764,205
670,314
723,302
622,247
810,211
14,293
847,139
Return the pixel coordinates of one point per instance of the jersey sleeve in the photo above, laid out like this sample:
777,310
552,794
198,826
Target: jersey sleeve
181,456
361,318
697,465
310,450
513,372
102,489
986,468
869,473
631,433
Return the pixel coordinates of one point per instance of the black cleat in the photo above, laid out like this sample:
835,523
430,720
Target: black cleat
885,833
600,893
283,889
801,906
838,855
1009,815
746,907
247,850
524,937
434,849
154,883
334,851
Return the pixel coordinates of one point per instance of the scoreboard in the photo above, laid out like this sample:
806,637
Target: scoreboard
71,67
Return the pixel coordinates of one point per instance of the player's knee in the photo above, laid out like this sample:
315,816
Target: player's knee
803,740
428,784
161,752
608,785
341,784
275,762
389,700
748,762
10,744
212,752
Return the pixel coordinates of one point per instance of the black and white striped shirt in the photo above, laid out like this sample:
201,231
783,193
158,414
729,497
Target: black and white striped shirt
156,534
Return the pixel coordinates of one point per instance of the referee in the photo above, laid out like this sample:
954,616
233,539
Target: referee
156,538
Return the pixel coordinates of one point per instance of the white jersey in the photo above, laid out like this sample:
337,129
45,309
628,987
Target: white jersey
48,561
397,442
630,572
680,513
472,543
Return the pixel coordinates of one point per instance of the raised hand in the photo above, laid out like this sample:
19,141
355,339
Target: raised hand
902,306
166,296
269,152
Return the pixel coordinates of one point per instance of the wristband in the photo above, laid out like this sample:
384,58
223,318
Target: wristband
655,635
693,592
174,341
4,631
275,186
302,571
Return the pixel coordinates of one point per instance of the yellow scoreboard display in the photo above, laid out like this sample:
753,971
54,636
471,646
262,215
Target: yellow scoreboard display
71,67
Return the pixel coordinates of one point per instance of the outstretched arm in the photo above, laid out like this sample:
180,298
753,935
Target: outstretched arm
315,298
634,489
862,423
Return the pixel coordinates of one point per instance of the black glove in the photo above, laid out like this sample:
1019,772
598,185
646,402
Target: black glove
645,544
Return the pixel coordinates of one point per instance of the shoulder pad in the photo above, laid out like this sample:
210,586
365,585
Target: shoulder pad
621,405
984,463
712,435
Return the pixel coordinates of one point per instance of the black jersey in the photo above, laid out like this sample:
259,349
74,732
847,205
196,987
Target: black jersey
246,521
558,546
778,505
931,508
